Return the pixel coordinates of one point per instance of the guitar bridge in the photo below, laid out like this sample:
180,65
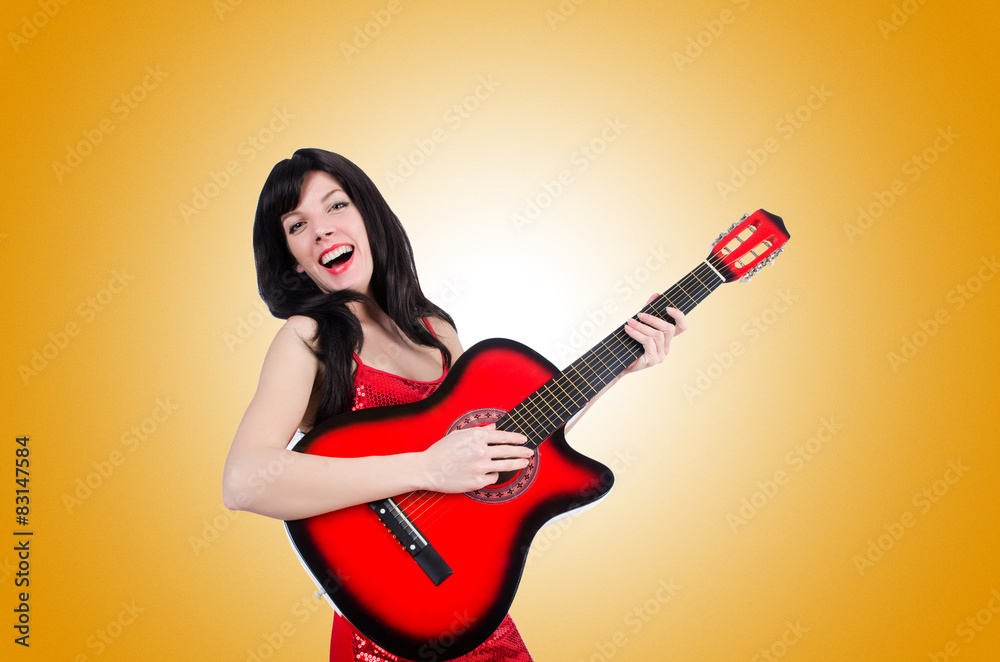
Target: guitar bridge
409,536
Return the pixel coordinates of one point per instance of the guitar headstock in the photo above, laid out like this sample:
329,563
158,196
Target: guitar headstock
748,246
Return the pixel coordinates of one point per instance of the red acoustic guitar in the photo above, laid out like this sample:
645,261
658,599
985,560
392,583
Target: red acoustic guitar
427,572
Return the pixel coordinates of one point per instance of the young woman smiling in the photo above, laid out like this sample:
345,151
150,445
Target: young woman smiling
334,261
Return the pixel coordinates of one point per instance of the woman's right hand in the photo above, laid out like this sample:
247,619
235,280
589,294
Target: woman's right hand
471,459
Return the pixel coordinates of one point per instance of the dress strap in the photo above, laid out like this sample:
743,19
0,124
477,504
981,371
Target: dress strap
430,328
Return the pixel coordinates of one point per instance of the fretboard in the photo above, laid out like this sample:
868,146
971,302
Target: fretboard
548,408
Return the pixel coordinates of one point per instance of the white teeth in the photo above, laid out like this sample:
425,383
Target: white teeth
335,253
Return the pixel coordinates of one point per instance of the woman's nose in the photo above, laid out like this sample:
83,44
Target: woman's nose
323,229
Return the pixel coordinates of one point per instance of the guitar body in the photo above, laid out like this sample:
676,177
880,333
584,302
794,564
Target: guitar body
482,536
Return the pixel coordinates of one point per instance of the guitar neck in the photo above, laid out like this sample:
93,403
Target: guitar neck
552,405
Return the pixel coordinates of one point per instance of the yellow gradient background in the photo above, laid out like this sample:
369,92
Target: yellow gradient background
125,309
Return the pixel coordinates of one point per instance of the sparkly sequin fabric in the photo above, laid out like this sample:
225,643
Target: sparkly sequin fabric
375,388
504,645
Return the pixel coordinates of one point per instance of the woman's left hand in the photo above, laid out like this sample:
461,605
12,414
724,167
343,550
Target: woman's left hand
655,335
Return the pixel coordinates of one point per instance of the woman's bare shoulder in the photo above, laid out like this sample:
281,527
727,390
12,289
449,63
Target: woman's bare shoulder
301,326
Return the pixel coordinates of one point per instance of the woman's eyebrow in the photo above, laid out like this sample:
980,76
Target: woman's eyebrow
296,211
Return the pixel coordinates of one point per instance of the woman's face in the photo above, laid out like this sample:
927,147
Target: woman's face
326,236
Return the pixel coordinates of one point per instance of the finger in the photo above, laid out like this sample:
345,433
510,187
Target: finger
680,320
653,339
660,330
503,467
501,437
507,451
489,435
649,357
635,330
673,312
648,325
655,322
513,464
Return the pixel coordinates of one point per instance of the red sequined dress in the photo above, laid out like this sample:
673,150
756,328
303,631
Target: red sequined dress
376,388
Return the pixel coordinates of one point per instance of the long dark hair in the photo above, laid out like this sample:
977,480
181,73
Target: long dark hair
394,284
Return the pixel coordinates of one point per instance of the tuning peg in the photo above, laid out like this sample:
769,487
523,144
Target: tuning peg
731,228
748,275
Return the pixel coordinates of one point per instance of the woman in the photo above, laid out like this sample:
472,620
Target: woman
333,260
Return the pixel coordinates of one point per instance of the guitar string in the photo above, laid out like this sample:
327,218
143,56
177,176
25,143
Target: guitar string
433,512
421,501
418,504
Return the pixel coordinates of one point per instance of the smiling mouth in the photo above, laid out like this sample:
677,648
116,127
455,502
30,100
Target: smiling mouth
337,257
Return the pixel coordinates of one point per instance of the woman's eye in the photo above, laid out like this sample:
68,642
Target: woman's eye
338,205
294,227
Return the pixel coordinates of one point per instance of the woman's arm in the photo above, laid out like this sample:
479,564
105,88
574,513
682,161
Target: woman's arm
261,476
